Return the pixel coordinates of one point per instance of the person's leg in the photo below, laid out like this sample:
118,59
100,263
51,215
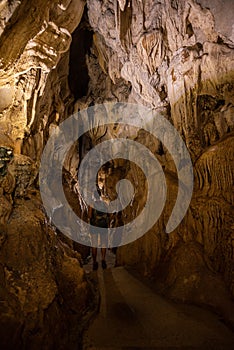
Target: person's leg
103,253
94,256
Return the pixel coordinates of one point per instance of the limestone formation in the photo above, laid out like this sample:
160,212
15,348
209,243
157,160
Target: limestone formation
178,58
59,57
44,293
7,182
30,48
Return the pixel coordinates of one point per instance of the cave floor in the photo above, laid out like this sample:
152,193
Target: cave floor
133,316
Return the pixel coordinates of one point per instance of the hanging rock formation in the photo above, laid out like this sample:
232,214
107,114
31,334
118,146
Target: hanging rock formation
175,57
44,294
178,58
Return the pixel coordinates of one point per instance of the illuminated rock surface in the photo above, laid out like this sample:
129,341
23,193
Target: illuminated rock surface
59,57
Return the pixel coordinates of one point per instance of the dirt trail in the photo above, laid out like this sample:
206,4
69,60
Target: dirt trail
132,316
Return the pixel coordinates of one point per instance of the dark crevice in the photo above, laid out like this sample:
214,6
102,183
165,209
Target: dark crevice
189,28
82,39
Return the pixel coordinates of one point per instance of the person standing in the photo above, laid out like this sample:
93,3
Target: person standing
99,218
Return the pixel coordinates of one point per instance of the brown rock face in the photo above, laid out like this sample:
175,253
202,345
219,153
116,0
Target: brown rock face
33,38
175,57
178,58
7,182
44,294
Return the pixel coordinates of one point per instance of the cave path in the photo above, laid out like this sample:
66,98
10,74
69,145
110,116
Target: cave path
132,316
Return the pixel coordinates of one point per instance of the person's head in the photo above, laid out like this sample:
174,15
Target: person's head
105,199
95,196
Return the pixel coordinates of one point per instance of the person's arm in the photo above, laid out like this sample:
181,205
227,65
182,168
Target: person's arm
112,220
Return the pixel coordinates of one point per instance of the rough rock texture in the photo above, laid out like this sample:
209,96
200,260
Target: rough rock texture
178,58
30,48
7,181
173,56
44,294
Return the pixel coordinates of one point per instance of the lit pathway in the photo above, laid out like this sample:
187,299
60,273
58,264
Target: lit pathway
133,317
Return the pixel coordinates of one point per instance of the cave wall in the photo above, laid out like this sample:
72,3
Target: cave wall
44,293
177,58
173,56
